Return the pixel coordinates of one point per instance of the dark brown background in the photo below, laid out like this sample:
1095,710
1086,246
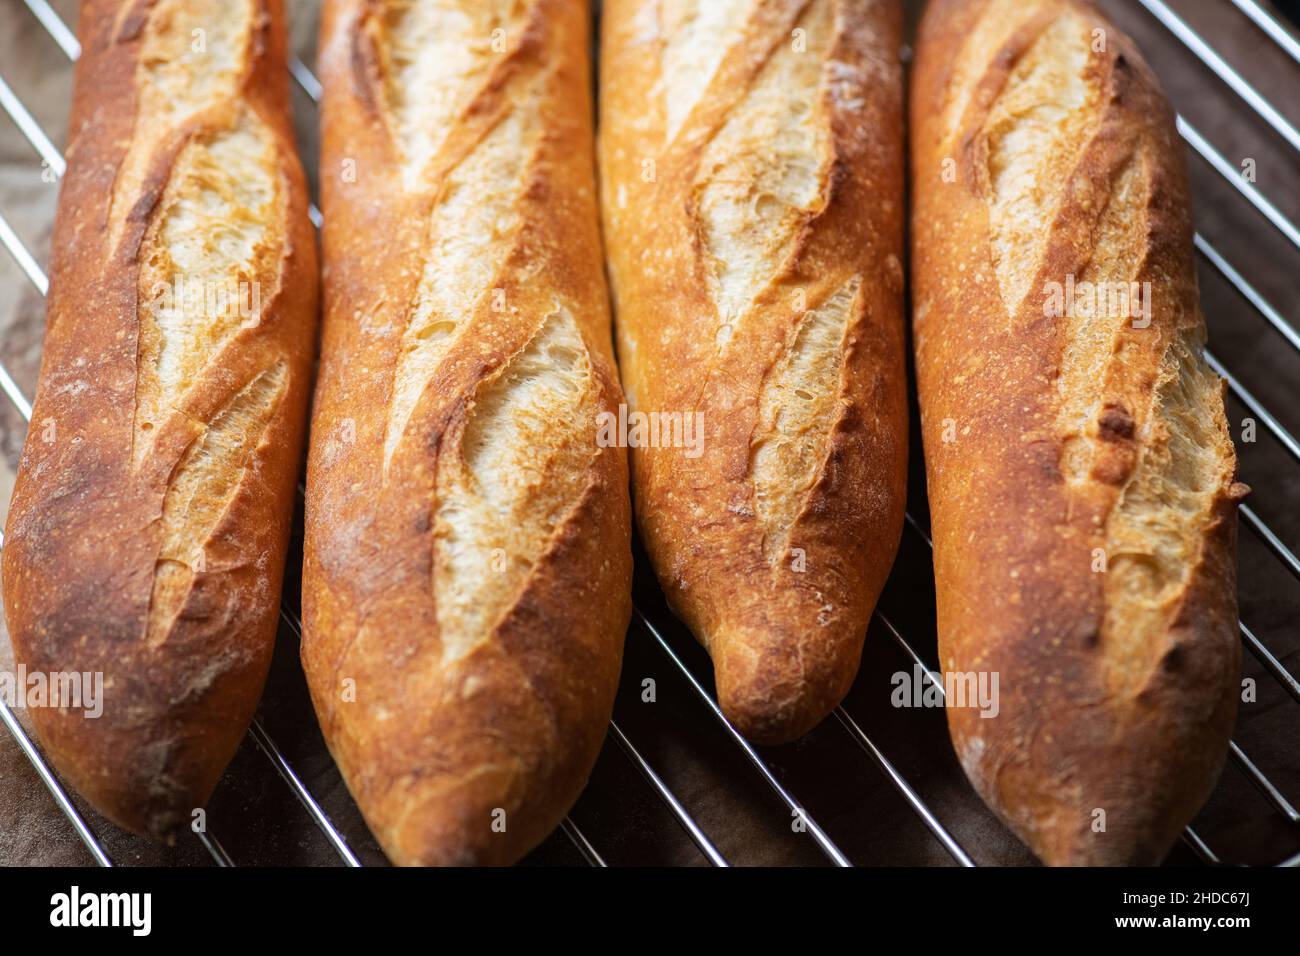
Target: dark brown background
257,818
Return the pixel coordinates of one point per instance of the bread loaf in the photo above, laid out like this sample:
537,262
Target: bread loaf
752,185
468,561
1081,475
147,534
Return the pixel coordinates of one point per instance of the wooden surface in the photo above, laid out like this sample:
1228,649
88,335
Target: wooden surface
257,818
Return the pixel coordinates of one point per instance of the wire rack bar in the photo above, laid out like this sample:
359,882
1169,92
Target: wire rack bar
1248,292
911,652
1269,24
1264,785
579,840
1270,662
35,274
1200,847
215,849
31,129
1284,437
52,784
919,806
1275,544
14,393
920,529
705,845
306,79
314,810
1238,182
1207,55
56,28
827,846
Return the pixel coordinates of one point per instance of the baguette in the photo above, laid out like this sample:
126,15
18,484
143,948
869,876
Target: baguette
1081,475
147,535
752,182
467,579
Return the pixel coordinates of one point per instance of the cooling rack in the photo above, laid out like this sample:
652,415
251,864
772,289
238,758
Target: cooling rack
786,789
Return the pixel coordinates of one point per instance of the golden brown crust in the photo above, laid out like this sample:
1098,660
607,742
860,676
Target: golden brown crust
751,158
1081,476
463,664
96,498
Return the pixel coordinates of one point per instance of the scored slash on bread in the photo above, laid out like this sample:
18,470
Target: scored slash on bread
752,185
467,572
150,519
1081,476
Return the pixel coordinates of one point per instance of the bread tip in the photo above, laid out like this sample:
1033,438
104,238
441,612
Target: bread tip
772,688
162,822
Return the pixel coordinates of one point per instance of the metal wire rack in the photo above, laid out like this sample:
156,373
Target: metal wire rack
656,626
